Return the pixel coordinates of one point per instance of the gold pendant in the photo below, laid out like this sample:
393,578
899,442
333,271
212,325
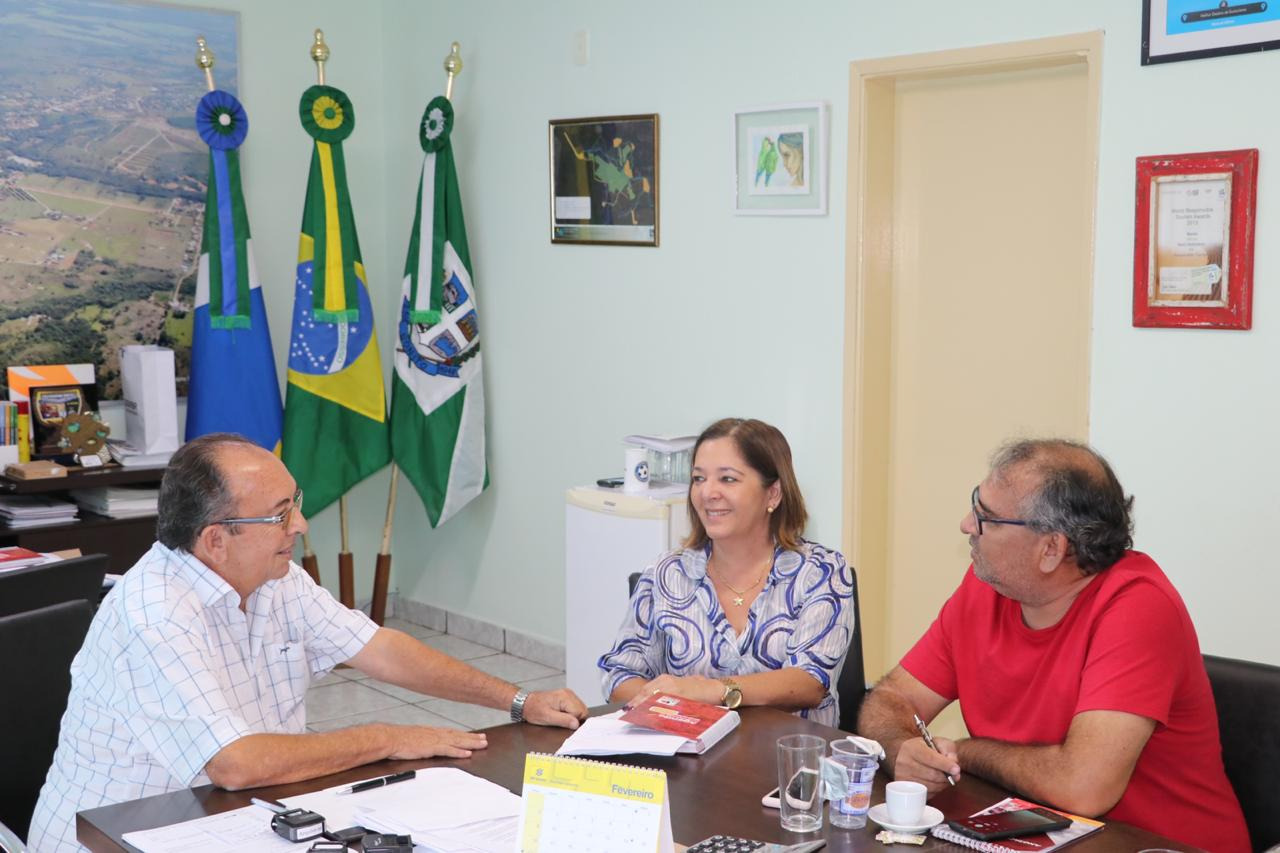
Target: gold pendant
738,600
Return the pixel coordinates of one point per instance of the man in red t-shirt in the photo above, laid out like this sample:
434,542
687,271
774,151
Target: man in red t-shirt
1074,660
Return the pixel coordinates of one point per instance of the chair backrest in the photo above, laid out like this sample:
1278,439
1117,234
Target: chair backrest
852,683
632,580
36,649
1248,698
39,586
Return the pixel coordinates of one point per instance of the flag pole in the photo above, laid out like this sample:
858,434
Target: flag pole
204,61
346,565
382,569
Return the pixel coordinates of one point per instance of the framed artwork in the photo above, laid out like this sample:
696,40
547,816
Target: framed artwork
604,180
102,178
1193,240
1174,30
780,160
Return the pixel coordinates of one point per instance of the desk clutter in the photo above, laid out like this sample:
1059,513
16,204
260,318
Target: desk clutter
22,511
118,501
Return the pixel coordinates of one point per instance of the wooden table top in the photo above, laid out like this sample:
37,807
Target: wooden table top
715,793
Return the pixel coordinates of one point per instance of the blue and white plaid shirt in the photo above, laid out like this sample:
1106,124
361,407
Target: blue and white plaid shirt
802,618
172,671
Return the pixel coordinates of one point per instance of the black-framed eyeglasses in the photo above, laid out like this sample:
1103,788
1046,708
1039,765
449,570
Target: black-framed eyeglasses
282,519
981,519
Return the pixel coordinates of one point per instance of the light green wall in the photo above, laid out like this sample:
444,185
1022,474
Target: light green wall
742,315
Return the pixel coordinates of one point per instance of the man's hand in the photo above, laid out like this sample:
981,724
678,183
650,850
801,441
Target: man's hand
427,742
699,688
916,762
554,708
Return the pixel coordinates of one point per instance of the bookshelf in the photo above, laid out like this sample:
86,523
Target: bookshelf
123,540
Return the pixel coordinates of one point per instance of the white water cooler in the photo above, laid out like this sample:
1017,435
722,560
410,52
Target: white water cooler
608,535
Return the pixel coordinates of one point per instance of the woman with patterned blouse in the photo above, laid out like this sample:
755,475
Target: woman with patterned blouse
747,612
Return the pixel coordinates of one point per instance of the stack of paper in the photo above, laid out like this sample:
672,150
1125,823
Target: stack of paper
118,501
130,457
443,808
35,511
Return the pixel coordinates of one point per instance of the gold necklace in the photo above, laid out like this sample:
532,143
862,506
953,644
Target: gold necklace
739,593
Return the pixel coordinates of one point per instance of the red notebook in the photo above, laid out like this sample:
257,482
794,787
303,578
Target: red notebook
15,557
701,724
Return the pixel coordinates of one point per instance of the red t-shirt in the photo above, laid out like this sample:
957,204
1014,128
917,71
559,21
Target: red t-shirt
1126,644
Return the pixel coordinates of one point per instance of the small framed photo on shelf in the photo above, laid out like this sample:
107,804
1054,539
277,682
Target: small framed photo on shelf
1174,30
604,180
1193,240
780,160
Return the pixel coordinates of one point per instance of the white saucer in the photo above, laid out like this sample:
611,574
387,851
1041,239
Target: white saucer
880,814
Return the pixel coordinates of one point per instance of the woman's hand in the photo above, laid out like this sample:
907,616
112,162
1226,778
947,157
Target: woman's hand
699,688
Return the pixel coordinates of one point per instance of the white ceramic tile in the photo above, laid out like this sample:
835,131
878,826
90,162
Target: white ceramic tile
467,716
535,649
412,629
475,630
404,694
459,648
344,698
420,613
511,668
551,682
401,715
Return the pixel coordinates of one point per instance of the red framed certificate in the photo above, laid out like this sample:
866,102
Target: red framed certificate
1193,240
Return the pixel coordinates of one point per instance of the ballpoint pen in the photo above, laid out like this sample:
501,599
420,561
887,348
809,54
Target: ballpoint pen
378,783
928,739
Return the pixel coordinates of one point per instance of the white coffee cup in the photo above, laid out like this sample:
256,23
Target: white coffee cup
635,476
905,802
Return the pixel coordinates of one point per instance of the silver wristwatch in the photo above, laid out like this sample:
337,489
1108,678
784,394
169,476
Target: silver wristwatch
517,706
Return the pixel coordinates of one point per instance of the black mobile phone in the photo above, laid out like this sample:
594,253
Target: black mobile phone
991,827
609,482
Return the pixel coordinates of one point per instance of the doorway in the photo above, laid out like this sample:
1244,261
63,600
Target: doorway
972,179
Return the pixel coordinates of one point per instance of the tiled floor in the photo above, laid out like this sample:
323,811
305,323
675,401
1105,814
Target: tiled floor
347,697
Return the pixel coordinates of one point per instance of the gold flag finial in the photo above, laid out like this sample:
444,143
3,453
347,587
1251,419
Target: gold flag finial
204,60
320,53
453,67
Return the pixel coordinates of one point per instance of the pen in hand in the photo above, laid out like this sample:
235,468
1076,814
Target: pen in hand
928,739
379,782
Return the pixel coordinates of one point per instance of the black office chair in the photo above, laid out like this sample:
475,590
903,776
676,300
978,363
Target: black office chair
36,649
1248,698
631,584
33,587
852,683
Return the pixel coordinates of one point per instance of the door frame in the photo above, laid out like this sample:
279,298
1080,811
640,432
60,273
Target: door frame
869,243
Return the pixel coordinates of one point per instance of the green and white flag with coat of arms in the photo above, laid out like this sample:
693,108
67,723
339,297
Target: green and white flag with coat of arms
437,390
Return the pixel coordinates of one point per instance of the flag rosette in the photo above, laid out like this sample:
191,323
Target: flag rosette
436,124
327,114
221,121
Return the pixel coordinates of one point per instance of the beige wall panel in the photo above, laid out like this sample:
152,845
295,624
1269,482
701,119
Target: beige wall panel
971,196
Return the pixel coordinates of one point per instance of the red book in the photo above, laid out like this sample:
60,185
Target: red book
701,724
15,557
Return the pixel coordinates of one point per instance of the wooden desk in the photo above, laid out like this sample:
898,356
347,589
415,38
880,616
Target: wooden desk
123,540
714,793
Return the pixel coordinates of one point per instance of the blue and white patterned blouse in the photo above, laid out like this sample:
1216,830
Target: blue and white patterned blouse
803,618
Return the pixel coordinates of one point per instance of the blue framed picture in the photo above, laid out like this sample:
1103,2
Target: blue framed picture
1174,30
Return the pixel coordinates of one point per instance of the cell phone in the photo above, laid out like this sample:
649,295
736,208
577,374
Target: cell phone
609,482
992,827
800,791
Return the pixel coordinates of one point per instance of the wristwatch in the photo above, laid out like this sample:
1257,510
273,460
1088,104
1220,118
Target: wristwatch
517,706
732,697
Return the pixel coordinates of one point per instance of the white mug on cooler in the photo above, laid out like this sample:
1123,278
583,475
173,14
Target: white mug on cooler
635,476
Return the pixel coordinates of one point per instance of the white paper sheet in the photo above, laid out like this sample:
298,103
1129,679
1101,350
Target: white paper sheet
246,830
608,735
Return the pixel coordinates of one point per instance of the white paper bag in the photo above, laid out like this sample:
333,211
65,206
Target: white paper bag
150,398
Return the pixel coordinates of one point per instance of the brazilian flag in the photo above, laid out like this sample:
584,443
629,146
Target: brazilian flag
335,417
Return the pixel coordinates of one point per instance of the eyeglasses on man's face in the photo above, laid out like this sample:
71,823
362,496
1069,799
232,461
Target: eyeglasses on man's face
980,518
282,519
